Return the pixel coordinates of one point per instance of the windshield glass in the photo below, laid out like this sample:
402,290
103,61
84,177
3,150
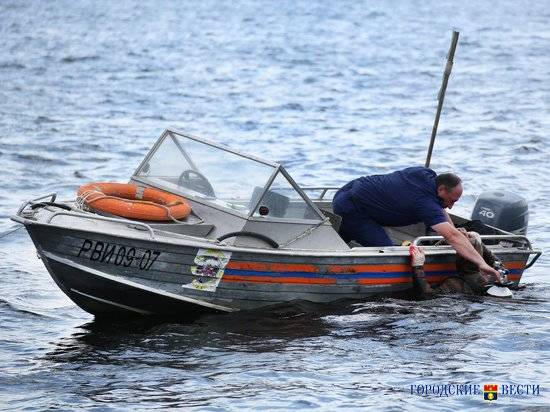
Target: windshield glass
282,200
190,167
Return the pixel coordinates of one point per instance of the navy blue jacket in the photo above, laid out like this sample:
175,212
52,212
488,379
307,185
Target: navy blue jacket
400,198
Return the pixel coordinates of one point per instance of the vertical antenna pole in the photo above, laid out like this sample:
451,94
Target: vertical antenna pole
441,95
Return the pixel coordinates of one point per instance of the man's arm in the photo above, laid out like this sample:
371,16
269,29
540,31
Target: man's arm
448,219
421,286
488,256
462,245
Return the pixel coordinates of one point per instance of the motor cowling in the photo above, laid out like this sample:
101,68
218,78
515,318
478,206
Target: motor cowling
503,210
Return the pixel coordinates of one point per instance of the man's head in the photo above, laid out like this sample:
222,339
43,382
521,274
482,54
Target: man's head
449,188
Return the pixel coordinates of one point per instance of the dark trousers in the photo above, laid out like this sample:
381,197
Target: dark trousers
357,225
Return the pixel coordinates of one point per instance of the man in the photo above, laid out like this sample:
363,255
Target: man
404,197
469,281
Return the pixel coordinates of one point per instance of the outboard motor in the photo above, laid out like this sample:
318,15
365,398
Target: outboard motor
503,210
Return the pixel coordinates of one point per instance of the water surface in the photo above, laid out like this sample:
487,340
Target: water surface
333,90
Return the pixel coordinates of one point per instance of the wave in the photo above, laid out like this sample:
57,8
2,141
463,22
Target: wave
76,59
44,119
11,65
22,309
31,157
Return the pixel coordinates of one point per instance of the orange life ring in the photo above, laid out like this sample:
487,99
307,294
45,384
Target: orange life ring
129,200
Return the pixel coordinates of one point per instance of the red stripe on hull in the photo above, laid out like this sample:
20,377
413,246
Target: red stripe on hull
336,269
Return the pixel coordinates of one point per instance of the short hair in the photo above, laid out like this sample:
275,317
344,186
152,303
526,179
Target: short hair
448,180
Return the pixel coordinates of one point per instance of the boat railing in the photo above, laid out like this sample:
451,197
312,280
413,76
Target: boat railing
514,238
423,239
77,213
104,218
322,189
52,197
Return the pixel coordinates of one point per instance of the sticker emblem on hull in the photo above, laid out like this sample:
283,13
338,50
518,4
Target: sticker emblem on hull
208,269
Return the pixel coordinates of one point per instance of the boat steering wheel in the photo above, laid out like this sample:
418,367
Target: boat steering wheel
196,181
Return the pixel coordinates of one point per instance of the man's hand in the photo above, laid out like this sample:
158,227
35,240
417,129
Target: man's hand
462,245
487,270
417,256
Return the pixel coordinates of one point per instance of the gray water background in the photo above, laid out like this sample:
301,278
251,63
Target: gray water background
333,90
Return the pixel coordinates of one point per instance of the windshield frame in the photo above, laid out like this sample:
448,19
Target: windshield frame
277,168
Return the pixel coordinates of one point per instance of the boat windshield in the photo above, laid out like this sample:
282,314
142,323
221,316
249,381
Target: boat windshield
212,174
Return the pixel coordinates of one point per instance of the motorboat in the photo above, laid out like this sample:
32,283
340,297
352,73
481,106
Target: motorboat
252,237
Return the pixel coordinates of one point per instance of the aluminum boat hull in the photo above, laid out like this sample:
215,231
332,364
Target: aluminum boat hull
107,274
